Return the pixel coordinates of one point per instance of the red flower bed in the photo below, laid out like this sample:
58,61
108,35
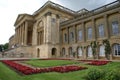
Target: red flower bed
27,70
98,63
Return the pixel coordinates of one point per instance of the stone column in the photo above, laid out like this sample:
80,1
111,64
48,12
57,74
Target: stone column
67,35
48,27
106,29
22,34
26,32
75,34
19,35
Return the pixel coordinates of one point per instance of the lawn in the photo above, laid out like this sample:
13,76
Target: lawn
49,63
7,73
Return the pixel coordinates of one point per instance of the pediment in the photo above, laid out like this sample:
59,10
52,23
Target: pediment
21,17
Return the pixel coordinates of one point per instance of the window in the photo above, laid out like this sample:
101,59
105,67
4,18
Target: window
115,28
71,36
80,35
102,50
89,33
101,30
79,52
116,49
53,20
65,37
90,52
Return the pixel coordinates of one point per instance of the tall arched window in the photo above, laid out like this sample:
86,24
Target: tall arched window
116,49
102,50
90,51
80,52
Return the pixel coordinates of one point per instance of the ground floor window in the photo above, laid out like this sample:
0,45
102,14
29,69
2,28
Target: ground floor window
89,52
63,52
102,50
79,51
116,49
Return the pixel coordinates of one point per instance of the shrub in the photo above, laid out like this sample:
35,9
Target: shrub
112,75
94,74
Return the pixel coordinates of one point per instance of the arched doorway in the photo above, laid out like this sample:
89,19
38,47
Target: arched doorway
38,53
89,51
63,52
102,51
54,52
116,49
79,52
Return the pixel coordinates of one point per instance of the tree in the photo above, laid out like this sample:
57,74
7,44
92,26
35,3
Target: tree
107,48
94,46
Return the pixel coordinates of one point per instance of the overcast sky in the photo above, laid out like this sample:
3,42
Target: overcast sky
9,10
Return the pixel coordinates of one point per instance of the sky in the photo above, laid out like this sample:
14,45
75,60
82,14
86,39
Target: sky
9,10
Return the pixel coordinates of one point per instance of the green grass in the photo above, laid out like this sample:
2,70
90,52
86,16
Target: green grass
49,63
7,74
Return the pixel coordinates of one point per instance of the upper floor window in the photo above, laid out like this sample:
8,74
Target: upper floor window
115,28
89,33
71,36
80,35
53,20
101,30
65,37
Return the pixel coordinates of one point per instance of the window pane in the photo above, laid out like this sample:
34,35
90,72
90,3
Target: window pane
65,37
89,33
115,29
116,50
101,30
80,35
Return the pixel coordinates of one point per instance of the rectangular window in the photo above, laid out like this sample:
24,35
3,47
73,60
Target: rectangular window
80,35
65,37
115,28
89,33
71,36
101,30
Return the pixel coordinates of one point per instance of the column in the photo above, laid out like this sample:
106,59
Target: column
48,28
22,33
19,35
68,35
75,34
26,31
107,33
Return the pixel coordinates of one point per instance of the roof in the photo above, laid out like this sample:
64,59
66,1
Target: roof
52,4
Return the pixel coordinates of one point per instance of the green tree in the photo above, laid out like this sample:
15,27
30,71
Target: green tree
107,48
94,46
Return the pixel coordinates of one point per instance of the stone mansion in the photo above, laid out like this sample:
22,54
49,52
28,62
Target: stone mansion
54,31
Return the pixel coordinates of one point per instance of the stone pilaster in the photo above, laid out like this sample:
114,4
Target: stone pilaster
106,29
94,30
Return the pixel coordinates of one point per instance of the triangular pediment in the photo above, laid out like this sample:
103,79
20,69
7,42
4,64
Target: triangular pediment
20,17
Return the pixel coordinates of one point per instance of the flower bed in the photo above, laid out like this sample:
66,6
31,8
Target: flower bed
28,70
98,63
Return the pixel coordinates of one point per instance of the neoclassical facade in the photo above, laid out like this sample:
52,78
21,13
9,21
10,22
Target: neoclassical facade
54,31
